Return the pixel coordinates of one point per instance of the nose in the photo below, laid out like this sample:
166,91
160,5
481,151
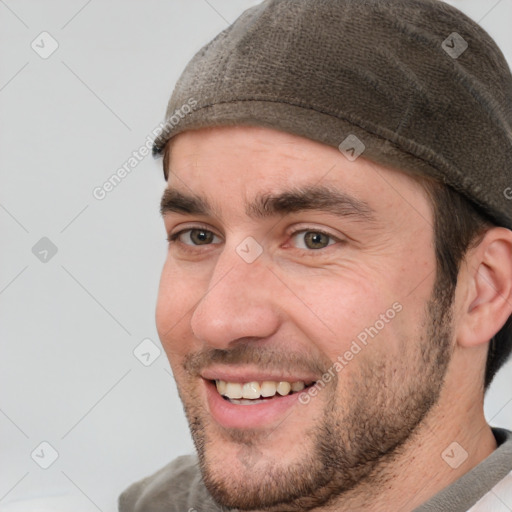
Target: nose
239,303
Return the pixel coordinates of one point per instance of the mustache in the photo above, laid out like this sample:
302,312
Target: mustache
268,358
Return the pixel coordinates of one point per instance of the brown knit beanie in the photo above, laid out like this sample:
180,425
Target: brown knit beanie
413,84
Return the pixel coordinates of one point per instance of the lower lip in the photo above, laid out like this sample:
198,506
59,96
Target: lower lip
231,415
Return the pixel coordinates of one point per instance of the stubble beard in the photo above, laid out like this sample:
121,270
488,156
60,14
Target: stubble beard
382,409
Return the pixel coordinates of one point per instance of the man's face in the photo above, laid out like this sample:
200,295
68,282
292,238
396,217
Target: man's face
291,267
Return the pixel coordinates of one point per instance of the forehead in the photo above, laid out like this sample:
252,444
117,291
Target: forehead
240,163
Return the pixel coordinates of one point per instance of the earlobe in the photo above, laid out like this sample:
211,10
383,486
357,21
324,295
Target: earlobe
489,305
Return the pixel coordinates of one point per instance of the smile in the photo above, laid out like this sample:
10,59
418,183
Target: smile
251,393
246,397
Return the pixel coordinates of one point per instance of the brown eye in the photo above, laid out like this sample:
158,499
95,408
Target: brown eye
201,236
196,236
316,240
312,240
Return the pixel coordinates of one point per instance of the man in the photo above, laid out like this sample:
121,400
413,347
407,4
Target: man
338,288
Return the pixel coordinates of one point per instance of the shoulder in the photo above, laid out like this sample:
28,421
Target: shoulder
498,499
500,496
177,487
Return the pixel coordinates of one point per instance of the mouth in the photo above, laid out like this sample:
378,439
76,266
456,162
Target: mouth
253,401
254,392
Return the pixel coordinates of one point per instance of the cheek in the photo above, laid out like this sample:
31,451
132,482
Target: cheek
355,311
333,310
178,294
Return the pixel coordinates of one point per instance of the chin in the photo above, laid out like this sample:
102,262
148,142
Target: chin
262,470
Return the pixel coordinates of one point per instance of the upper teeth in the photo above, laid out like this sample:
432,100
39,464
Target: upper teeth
253,390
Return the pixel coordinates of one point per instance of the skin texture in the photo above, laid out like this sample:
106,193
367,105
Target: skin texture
372,436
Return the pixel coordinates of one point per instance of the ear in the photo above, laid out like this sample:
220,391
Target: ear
488,280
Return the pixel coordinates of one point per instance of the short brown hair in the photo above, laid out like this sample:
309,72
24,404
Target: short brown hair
458,226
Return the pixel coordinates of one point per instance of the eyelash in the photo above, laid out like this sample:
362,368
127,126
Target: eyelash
173,238
296,232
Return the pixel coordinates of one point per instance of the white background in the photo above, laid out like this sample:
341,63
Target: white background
68,327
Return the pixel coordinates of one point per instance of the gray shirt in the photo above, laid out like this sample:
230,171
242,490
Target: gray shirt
178,487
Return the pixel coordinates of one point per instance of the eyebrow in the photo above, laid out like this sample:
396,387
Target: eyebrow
174,201
314,198
317,198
